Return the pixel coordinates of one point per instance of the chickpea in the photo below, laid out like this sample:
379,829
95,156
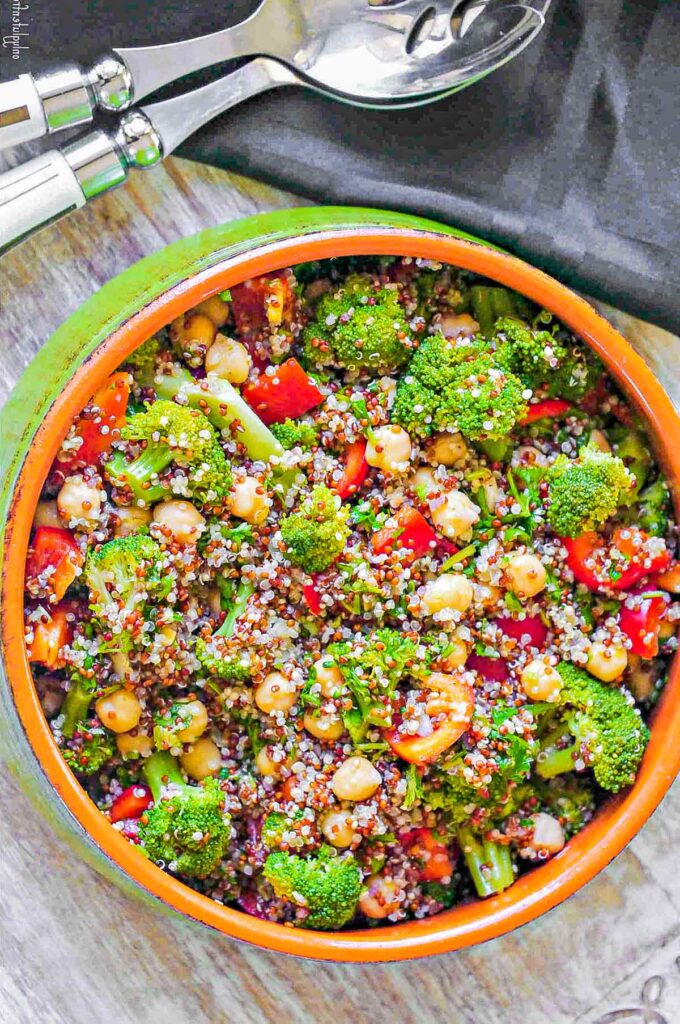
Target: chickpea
540,681
119,711
380,898
46,514
324,726
426,482
667,630
456,657
275,693
525,574
355,779
193,331
130,746
456,325
215,308
182,518
78,500
329,677
195,714
228,359
487,596
338,828
249,500
266,766
130,520
201,760
450,590
389,449
598,440
456,516
446,449
548,833
606,662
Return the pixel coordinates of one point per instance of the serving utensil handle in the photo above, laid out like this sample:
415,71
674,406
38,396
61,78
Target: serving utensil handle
44,189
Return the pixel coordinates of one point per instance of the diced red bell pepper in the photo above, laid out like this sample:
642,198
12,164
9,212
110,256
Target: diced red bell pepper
454,696
642,624
356,469
98,426
412,532
50,637
531,626
548,408
492,670
53,548
287,394
434,855
602,572
262,302
131,803
312,596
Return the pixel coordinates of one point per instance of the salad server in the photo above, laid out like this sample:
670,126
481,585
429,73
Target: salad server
369,53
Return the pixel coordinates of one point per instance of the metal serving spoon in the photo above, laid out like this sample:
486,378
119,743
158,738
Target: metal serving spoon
364,51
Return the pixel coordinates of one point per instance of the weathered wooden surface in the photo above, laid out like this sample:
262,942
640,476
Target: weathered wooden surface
74,950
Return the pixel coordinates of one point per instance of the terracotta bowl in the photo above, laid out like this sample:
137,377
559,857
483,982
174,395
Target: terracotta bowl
76,360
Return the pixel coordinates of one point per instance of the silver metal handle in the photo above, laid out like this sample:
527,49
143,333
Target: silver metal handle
44,189
151,67
31,107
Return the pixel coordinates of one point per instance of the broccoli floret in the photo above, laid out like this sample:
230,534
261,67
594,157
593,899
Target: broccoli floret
489,303
315,534
372,667
455,385
532,355
217,656
187,830
172,435
631,447
358,327
601,729
296,434
172,721
568,797
325,888
653,510
586,491
489,863
577,372
90,750
123,574
275,825
143,359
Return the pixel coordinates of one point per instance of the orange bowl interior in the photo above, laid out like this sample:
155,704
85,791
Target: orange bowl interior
535,892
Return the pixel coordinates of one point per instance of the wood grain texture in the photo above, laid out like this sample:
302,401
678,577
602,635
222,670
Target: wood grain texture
75,950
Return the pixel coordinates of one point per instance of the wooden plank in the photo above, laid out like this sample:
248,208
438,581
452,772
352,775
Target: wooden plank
74,950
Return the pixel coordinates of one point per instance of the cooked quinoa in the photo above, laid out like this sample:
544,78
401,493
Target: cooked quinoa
350,592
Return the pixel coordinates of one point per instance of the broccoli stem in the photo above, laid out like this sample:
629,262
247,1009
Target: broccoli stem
245,589
223,405
489,864
137,474
160,769
488,304
494,450
557,754
76,708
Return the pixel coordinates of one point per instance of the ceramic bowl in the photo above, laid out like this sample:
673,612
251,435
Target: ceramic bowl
76,360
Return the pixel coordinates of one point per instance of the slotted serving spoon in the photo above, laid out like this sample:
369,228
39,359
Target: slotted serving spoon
364,52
